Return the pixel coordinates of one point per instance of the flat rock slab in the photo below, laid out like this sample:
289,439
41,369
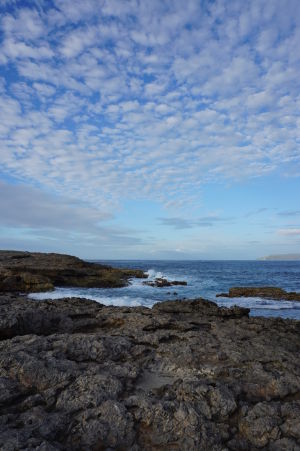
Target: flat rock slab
261,292
184,375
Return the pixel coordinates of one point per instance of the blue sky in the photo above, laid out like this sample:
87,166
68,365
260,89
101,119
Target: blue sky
150,129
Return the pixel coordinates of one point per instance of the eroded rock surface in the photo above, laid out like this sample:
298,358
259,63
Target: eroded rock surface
261,292
184,375
34,271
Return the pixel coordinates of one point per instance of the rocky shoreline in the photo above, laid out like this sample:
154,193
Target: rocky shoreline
78,375
34,272
184,375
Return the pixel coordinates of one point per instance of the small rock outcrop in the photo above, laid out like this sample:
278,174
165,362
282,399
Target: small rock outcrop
161,282
34,271
261,292
185,375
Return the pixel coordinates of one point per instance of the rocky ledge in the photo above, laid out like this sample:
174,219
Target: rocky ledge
184,375
161,282
261,292
34,271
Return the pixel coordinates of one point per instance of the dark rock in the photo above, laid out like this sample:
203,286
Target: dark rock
24,282
188,375
261,292
32,272
161,282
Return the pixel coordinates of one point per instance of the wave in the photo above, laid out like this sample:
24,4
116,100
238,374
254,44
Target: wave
120,301
153,274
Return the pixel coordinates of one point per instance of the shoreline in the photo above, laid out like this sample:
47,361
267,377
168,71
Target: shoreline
76,374
38,272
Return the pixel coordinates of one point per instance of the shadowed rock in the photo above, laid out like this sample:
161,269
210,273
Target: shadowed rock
184,375
261,292
33,272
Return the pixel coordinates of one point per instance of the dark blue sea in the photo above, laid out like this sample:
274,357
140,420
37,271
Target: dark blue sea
205,279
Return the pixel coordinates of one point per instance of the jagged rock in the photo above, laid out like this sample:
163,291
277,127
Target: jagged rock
261,292
188,375
160,282
34,271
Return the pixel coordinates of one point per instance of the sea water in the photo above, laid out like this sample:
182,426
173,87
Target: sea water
204,279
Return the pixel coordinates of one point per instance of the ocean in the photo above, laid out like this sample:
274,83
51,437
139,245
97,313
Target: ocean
204,279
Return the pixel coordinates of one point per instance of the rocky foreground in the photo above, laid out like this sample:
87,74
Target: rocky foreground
184,375
35,271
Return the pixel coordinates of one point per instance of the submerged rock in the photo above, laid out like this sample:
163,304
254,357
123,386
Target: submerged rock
34,271
261,292
184,375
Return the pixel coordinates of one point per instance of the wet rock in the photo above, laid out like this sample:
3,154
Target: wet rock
78,375
261,292
160,282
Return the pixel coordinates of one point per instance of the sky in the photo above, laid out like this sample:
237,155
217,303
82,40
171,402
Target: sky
149,129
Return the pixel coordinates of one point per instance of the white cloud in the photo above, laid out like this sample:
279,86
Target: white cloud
106,100
26,24
17,49
78,40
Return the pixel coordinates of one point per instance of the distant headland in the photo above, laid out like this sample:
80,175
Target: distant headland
288,257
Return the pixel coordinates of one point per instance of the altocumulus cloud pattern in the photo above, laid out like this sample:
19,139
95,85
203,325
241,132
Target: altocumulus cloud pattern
150,99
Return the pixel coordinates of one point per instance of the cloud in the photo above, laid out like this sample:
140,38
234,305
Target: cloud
27,24
289,232
205,221
35,216
29,207
176,223
289,213
258,211
106,100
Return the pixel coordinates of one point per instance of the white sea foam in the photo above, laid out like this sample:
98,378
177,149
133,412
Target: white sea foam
258,303
152,274
121,301
138,294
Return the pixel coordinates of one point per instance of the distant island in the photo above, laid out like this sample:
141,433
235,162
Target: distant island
281,257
